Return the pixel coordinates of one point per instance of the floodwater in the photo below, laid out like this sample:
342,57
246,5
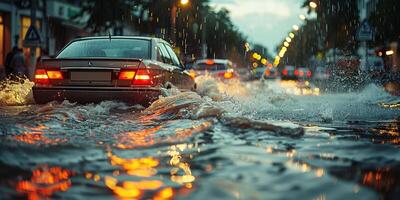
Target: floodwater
271,140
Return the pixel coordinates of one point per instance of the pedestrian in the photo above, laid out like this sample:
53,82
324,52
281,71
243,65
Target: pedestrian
9,58
18,65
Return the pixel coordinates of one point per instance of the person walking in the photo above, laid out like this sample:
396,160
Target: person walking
9,58
18,65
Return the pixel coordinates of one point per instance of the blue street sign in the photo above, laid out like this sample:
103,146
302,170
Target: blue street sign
365,32
32,37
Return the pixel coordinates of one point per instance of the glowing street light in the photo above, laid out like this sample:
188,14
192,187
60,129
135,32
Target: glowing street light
288,39
247,46
291,35
389,53
302,17
313,5
296,28
264,61
184,2
286,44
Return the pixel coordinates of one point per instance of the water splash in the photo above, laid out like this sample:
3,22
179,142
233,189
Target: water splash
16,92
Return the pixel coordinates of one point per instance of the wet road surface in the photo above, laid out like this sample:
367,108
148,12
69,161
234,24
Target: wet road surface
230,141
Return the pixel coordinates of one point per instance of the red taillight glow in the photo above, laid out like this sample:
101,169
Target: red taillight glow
55,75
301,73
126,75
142,78
210,62
309,74
285,72
296,72
41,77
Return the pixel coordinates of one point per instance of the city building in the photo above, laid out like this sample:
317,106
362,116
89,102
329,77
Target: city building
54,20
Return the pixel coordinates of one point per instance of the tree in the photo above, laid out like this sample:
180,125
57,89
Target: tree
106,14
339,22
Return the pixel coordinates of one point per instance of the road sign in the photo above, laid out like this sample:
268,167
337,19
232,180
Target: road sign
32,37
365,32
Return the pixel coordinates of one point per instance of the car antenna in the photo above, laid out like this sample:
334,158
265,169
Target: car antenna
109,35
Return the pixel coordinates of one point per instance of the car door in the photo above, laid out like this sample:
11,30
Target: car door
175,76
166,60
185,81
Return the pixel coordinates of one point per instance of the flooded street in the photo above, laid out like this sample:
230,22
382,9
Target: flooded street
235,141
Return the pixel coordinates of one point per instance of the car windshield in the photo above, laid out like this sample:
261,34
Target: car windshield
208,67
106,48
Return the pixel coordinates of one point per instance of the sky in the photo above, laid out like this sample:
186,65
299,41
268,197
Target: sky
263,21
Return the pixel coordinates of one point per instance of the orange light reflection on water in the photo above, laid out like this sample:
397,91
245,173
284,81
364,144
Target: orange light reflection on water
143,168
381,179
45,181
135,139
37,136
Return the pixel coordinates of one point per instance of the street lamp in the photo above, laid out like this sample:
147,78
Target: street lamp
302,17
296,28
286,44
291,35
184,2
313,5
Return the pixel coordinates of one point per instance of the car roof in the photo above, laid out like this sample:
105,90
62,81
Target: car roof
119,37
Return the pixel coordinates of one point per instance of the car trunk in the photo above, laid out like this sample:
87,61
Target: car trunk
91,72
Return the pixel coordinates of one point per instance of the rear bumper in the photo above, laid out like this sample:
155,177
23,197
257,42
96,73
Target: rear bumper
143,96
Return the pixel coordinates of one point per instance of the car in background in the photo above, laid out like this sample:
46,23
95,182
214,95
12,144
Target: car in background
218,68
93,69
303,73
321,74
258,73
289,73
270,73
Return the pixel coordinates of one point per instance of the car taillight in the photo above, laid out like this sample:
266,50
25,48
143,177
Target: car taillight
41,77
192,73
309,74
228,75
126,75
296,72
55,75
142,77
301,73
285,72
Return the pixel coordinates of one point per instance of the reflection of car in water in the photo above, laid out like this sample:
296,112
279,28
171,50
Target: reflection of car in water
217,68
131,69
289,73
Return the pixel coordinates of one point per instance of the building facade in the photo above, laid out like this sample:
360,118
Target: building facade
54,21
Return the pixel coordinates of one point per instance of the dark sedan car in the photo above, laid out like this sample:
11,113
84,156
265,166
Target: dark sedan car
93,69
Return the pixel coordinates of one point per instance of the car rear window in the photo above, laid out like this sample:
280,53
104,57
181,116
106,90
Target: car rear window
106,48
208,67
